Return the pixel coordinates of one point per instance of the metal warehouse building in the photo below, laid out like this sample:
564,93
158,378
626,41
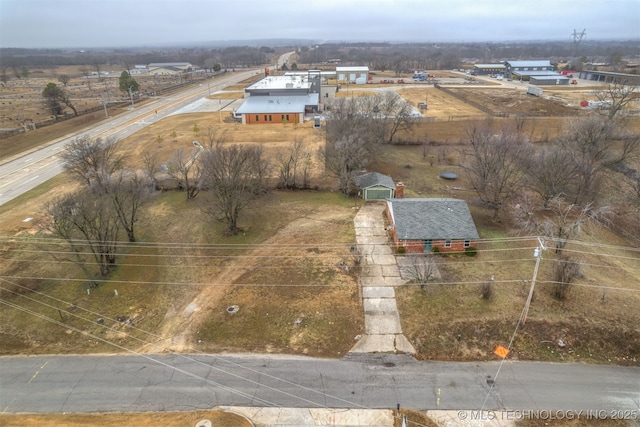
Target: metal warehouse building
487,69
553,80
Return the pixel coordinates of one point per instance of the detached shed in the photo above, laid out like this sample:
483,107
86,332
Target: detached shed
376,186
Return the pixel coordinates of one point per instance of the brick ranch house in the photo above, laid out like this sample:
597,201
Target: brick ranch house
420,225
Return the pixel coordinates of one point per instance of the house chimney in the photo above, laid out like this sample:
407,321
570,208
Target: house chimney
399,190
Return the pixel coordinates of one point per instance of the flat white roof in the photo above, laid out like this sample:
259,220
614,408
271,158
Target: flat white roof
346,69
281,82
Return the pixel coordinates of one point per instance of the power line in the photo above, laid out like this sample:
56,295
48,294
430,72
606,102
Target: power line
165,349
291,285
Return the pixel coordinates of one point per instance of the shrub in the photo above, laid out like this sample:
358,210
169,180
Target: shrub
435,250
401,249
470,251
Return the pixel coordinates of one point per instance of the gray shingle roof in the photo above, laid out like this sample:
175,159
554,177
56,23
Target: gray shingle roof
432,219
374,178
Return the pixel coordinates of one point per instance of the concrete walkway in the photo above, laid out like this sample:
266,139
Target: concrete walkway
321,417
380,274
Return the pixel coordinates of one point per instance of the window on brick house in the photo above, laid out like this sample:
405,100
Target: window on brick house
467,243
447,243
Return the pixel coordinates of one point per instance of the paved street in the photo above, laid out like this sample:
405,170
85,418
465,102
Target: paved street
44,384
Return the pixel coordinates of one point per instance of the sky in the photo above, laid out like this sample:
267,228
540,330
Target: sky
131,23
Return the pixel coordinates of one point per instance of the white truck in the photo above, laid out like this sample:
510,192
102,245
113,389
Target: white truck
535,91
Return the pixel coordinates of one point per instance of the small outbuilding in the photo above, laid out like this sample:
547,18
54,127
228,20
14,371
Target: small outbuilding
424,224
376,186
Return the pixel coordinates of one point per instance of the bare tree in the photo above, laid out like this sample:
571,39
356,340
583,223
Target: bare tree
87,222
127,193
92,160
494,165
188,171
421,269
550,172
307,164
559,220
394,113
617,95
150,161
64,79
235,177
289,161
86,71
596,145
345,157
214,137
375,118
98,66
565,271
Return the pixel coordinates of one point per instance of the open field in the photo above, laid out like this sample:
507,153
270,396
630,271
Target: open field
21,99
286,266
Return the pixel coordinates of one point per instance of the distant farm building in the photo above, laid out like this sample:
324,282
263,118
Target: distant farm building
169,68
352,75
610,76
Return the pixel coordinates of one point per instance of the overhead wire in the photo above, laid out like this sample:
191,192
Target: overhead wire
154,344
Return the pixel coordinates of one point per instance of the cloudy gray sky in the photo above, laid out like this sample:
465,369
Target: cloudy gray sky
110,23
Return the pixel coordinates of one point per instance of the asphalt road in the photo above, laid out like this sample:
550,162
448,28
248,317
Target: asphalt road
32,169
44,384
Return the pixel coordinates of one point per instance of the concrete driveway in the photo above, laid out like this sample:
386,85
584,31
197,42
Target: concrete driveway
380,275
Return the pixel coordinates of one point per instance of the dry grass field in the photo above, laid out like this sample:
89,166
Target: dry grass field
21,99
167,419
289,269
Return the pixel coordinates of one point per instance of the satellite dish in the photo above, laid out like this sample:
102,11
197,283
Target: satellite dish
448,175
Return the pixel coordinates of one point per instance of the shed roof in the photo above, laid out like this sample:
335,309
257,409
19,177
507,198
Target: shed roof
489,65
170,64
277,104
550,77
372,179
537,73
432,219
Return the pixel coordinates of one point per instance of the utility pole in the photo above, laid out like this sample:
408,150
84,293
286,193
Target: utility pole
538,254
104,104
